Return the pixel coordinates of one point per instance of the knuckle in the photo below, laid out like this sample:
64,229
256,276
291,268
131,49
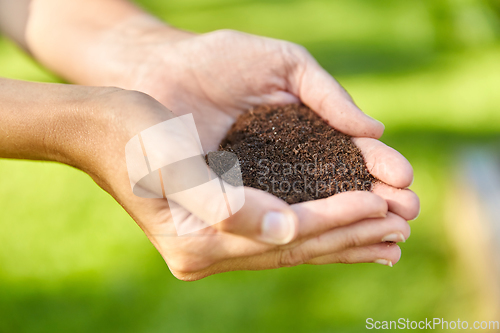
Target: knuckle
352,240
224,33
297,48
291,257
294,48
343,258
297,52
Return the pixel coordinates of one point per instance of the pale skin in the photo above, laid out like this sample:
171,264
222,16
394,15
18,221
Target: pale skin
216,77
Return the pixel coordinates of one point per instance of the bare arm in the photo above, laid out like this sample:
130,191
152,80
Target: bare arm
85,127
75,38
36,118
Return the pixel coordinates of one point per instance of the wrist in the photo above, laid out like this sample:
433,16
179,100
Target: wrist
85,127
77,124
107,120
94,42
122,56
43,121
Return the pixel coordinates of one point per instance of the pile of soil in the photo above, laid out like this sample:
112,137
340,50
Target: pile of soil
294,154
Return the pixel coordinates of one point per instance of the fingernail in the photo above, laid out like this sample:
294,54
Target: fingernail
277,228
396,237
383,262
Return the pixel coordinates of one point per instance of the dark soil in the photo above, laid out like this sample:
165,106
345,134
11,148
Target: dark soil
294,154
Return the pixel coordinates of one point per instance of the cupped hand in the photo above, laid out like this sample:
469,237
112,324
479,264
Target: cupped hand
218,76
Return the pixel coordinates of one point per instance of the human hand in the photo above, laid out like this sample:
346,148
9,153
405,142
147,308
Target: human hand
216,77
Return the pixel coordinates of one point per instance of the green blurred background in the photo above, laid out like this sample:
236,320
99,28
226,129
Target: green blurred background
71,259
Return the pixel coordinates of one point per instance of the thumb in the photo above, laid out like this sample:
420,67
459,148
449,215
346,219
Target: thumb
263,217
322,93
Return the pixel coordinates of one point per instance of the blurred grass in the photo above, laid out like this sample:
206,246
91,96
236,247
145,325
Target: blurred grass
72,260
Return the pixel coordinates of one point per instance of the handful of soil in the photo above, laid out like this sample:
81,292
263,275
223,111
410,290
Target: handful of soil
291,152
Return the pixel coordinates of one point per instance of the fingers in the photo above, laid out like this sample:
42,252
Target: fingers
358,242
305,219
402,202
383,253
263,217
321,215
392,228
323,94
395,171
385,163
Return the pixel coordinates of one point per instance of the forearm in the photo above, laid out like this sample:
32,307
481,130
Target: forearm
85,41
41,121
